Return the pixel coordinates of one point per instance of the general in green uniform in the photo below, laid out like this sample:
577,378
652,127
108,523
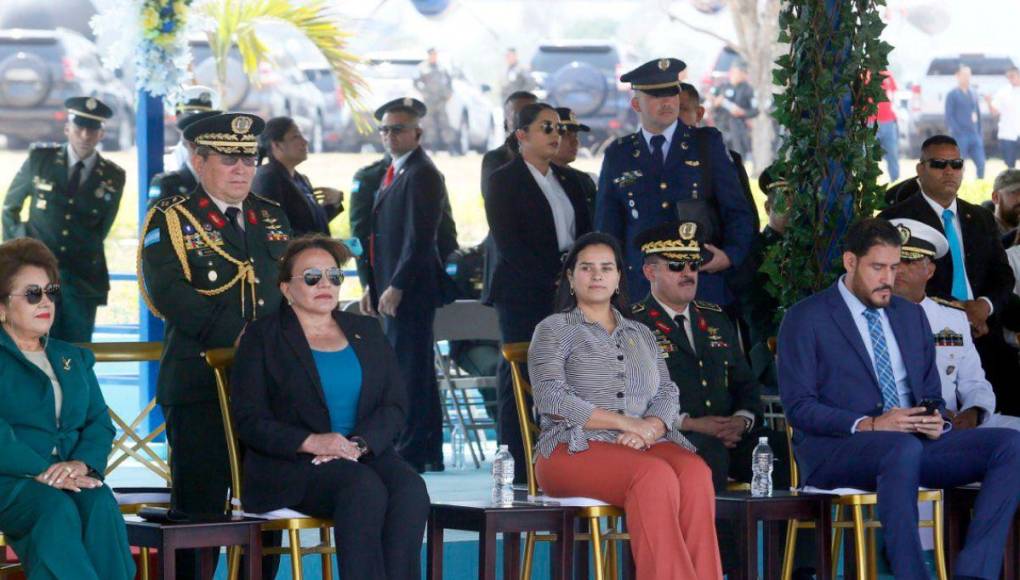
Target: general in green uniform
209,266
73,194
720,402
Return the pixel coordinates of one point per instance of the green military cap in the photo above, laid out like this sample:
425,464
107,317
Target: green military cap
227,133
659,78
88,112
769,181
403,105
920,240
569,120
673,241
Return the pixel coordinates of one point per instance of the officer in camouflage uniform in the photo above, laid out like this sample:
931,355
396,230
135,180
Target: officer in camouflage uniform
73,194
436,87
720,402
183,180
208,265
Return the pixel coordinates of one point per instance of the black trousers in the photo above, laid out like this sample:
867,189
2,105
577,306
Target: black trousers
517,323
76,315
1002,367
410,334
380,507
199,467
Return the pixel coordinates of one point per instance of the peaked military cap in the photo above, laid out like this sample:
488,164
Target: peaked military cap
197,102
673,241
185,120
227,133
769,181
920,240
569,120
659,78
88,112
403,105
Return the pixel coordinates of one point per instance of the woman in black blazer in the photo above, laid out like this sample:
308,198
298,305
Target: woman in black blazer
532,226
318,401
282,143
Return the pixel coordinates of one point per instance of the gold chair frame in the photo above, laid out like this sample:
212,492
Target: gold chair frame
517,354
6,567
221,360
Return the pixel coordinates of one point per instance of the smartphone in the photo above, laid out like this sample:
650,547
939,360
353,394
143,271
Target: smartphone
931,406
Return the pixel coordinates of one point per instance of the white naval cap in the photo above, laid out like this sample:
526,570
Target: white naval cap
920,240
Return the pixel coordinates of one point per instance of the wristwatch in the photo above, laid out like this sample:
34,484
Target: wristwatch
362,445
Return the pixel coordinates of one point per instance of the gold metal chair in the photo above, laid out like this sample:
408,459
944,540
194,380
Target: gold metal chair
517,355
6,567
864,523
221,360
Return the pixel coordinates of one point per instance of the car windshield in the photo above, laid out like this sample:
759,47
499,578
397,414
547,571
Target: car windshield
47,48
406,68
552,58
979,65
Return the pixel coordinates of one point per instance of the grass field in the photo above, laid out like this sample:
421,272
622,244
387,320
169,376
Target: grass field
336,170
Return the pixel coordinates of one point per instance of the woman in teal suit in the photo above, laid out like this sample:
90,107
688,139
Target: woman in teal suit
55,434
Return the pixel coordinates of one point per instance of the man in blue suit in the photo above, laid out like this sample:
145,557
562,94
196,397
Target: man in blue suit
645,174
855,364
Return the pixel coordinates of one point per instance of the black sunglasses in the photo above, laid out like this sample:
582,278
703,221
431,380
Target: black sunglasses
956,164
681,265
548,127
33,293
313,275
395,129
231,160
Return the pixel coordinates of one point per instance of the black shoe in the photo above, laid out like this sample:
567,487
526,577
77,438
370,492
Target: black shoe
435,467
803,574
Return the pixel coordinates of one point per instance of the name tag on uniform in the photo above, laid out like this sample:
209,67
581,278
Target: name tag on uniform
42,185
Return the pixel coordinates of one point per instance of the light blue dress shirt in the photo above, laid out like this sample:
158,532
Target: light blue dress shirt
667,133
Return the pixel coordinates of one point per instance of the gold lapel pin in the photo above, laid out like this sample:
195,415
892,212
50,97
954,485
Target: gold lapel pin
66,362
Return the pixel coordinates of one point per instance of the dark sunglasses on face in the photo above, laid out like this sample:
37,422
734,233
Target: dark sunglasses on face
33,293
394,129
313,275
548,127
231,160
681,265
956,164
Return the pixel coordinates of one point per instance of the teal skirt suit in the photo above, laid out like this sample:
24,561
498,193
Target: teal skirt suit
57,534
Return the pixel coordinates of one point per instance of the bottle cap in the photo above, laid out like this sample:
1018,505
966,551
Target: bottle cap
764,440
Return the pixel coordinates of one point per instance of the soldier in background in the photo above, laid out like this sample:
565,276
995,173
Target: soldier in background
436,87
517,78
74,194
570,143
733,105
183,179
194,99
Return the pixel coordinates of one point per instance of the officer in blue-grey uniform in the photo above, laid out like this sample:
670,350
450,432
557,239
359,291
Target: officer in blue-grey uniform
650,177
970,400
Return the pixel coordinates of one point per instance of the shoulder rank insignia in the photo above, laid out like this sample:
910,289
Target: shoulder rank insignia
168,202
948,337
637,308
707,306
947,303
44,146
265,199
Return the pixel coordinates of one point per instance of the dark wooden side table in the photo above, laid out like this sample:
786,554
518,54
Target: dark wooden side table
959,505
168,538
774,511
490,519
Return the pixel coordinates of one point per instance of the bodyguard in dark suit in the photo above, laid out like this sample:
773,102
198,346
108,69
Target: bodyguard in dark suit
208,265
74,194
646,174
975,271
535,212
855,365
408,281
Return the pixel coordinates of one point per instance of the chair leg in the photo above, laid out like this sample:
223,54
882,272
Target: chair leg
790,549
872,552
837,540
295,555
233,562
144,564
859,547
327,558
612,560
940,541
595,527
529,555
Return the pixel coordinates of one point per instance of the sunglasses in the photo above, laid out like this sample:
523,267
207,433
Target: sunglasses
231,160
313,275
956,164
33,293
681,265
548,127
394,129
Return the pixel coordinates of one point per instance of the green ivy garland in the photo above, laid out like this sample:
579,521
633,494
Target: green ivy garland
830,153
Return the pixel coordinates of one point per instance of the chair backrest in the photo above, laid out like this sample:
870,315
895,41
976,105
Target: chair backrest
794,472
221,360
125,351
466,320
516,353
354,307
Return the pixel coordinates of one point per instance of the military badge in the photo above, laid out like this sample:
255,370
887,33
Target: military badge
42,184
40,203
948,337
663,64
252,218
627,178
692,163
241,124
203,202
91,104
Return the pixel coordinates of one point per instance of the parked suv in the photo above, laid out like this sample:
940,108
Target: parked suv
928,102
39,69
584,76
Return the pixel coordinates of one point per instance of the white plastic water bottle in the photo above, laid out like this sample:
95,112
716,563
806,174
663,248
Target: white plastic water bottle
761,469
503,476
458,437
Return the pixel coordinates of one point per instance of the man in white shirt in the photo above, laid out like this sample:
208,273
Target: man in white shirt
1006,104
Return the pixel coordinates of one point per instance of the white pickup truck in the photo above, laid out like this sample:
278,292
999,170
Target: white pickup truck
928,100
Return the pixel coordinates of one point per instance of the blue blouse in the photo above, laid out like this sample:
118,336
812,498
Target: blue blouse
340,373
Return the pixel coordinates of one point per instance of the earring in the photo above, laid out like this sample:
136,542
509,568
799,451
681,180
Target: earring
571,290
617,291
3,317
290,302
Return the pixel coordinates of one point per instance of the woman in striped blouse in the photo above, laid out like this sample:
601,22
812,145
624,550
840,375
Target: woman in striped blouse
607,409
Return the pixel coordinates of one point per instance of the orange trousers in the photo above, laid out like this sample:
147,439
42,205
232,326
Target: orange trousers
666,492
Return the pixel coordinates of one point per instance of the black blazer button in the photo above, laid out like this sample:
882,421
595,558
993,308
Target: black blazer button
619,395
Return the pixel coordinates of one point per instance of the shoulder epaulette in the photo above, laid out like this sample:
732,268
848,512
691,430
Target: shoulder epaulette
168,202
44,146
707,306
111,164
265,199
637,308
947,303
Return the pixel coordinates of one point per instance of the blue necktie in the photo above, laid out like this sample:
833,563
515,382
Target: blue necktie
660,160
959,269
883,365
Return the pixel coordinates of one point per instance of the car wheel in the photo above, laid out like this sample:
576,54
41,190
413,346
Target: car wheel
25,81
463,136
315,143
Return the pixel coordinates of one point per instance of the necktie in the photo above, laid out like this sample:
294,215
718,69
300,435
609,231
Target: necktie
657,156
883,365
389,176
959,269
233,214
681,323
74,182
